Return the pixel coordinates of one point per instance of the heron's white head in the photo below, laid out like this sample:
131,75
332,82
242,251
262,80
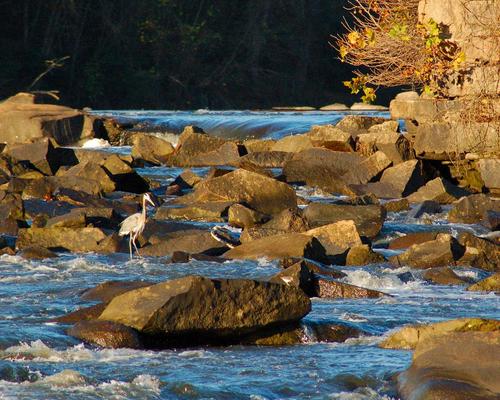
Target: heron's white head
147,198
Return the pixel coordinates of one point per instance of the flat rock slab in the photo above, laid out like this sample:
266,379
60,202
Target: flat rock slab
279,246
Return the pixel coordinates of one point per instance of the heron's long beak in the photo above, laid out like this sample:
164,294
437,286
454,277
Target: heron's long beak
151,202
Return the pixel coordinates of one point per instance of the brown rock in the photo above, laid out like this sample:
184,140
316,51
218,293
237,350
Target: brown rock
336,238
261,193
409,337
480,253
405,178
22,120
490,284
410,239
367,169
297,275
195,309
439,190
82,314
106,291
356,124
363,255
212,211
331,137
473,209
490,172
458,366
106,334
37,253
265,159
68,239
441,252
293,144
443,276
338,290
244,217
150,148
193,242
397,205
279,246
368,219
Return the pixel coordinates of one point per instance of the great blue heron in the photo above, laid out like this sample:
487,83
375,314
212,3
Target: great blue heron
134,225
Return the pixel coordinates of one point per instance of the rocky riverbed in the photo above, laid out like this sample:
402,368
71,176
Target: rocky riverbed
343,252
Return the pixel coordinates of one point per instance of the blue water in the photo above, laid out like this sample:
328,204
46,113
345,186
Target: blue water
235,124
35,354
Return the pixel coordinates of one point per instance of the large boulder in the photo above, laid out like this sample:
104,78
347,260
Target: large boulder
441,252
368,219
439,190
108,290
24,121
443,276
293,144
196,310
243,217
261,193
409,337
279,246
357,124
458,366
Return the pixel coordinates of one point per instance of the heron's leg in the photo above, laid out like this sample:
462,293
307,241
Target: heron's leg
135,246
130,246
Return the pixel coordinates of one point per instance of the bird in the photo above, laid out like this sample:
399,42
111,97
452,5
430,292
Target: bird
134,224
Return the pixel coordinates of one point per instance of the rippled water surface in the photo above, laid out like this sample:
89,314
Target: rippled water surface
39,361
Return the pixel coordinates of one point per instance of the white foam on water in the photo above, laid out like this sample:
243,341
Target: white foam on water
95,143
385,282
38,351
359,394
193,354
69,382
351,317
65,378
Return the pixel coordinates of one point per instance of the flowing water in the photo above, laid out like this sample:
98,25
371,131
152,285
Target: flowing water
39,361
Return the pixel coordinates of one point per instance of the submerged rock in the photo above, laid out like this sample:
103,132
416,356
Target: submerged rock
37,253
195,310
408,337
490,284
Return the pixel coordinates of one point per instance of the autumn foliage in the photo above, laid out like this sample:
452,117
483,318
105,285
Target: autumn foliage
393,48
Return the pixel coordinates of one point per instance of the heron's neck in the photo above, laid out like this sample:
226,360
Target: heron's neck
144,207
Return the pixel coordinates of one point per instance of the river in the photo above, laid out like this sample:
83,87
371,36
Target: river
39,361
